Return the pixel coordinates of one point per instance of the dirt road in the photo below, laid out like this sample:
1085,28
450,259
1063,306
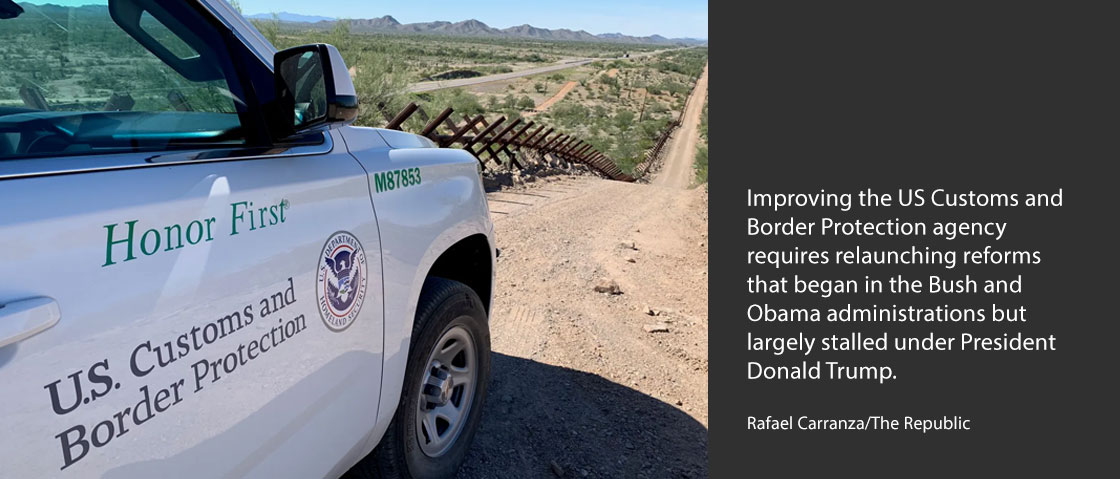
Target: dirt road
439,85
545,105
589,384
677,172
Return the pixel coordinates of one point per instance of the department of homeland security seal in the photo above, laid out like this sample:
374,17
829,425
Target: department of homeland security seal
341,285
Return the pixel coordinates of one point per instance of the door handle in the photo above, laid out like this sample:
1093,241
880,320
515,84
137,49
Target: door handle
25,318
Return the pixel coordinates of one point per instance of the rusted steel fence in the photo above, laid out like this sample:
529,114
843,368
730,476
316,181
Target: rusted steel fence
653,155
505,143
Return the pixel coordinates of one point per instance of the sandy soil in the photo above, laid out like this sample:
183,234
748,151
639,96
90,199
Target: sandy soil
590,384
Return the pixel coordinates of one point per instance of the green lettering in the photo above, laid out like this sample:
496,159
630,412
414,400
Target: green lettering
178,235
144,242
192,238
379,182
393,179
237,216
110,242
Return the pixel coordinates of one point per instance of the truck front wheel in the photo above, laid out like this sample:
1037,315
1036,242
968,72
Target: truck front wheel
444,386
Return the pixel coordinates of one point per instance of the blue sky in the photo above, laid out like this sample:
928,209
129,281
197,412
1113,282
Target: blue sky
671,18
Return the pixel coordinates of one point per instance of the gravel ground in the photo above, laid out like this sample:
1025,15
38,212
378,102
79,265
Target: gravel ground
599,384
589,381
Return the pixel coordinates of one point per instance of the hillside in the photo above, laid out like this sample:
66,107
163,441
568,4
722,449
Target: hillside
471,28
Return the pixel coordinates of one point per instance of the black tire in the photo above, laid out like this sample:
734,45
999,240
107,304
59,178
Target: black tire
444,305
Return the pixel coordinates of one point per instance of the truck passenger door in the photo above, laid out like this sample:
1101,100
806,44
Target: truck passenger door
177,296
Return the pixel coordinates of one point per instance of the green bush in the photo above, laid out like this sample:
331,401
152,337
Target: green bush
269,28
568,114
380,79
493,69
623,120
671,87
701,165
689,62
461,101
704,122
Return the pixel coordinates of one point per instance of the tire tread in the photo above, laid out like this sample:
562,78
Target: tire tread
387,460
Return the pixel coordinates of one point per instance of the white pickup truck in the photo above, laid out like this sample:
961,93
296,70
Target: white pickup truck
206,272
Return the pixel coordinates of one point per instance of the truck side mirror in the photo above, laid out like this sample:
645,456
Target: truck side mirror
313,89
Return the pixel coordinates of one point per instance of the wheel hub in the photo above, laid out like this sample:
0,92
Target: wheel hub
446,391
439,387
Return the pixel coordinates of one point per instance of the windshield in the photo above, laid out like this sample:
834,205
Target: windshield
75,81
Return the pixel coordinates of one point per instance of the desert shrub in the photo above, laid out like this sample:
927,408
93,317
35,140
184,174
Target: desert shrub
461,101
493,69
623,120
380,79
627,152
339,35
269,28
671,87
569,114
701,165
651,128
688,62
704,122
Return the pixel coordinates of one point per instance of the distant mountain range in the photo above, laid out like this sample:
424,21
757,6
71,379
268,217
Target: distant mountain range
472,28
292,17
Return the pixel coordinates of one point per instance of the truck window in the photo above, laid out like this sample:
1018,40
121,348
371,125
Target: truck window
77,80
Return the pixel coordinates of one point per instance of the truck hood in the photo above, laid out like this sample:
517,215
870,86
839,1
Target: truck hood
401,139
